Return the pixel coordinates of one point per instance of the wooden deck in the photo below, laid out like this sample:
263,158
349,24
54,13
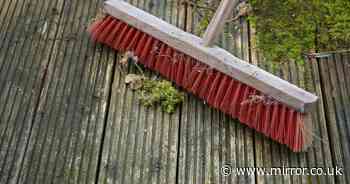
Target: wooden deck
66,115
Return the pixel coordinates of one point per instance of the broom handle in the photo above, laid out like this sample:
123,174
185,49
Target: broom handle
217,23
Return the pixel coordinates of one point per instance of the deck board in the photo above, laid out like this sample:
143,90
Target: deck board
207,135
335,110
141,144
21,79
67,129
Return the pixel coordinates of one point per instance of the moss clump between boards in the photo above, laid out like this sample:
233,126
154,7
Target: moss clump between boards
155,92
161,92
151,91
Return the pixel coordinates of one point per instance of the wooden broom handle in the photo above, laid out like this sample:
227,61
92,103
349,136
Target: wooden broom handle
217,23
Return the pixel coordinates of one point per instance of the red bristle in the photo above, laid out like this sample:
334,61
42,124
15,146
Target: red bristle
230,96
196,70
180,70
234,100
255,118
198,81
147,48
94,26
242,97
127,39
274,120
296,136
113,34
221,91
244,106
152,54
116,42
102,37
226,101
290,119
166,62
120,37
171,63
237,99
262,116
174,66
266,124
294,130
209,77
187,71
302,133
299,135
97,24
133,43
213,89
291,128
281,124
252,109
99,29
160,57
140,46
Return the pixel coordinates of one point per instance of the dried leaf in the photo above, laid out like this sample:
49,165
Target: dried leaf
134,81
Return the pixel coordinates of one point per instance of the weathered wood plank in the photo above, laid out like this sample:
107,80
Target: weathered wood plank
320,124
301,159
21,85
10,14
140,144
246,147
294,158
309,157
40,145
10,50
5,56
209,139
335,114
259,141
67,131
344,96
331,115
270,150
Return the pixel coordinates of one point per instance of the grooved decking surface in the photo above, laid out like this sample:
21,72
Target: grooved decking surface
66,115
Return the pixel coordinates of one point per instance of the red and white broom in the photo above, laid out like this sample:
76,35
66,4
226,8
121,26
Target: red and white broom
260,100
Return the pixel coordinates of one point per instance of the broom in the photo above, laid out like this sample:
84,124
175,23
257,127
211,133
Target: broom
260,100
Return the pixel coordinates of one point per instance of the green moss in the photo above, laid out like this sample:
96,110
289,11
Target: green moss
204,22
288,28
337,20
152,92
205,11
160,92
